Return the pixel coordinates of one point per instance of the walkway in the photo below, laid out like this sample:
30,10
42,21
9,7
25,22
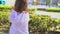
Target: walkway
52,14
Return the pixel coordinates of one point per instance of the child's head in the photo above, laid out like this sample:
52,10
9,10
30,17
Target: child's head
20,5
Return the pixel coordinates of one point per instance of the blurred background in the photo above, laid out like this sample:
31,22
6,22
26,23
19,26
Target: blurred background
44,16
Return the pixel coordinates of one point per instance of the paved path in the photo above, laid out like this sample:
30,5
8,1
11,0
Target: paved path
40,6
52,14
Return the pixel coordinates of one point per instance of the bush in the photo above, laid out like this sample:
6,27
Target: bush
4,23
42,23
32,9
5,8
53,9
36,23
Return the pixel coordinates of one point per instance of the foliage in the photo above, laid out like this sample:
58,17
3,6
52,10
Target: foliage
36,23
4,23
32,9
5,7
8,8
42,22
53,9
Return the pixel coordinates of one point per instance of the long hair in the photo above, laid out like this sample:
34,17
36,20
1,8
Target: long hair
20,5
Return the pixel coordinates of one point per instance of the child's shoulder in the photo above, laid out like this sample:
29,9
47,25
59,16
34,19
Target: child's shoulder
13,11
25,12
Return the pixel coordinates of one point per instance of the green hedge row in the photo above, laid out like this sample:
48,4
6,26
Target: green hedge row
4,8
53,9
36,23
43,23
7,8
4,23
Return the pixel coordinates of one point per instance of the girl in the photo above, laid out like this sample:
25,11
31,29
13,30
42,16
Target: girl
19,18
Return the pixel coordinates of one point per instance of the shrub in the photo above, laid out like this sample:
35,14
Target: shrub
32,9
36,23
8,8
4,23
53,9
4,8
42,23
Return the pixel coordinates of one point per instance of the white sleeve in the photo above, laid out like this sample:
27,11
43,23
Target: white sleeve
11,17
18,18
23,18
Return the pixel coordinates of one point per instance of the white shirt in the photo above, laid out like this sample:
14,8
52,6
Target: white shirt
19,22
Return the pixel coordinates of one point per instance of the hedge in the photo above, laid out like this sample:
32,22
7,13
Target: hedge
43,23
7,8
53,9
36,23
4,23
